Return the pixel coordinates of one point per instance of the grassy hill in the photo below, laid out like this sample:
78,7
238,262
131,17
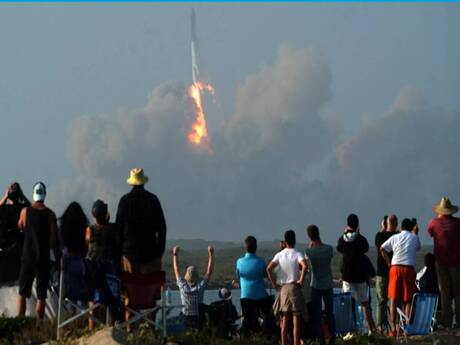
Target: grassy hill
194,252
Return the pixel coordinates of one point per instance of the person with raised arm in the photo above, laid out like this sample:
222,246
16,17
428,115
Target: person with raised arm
192,287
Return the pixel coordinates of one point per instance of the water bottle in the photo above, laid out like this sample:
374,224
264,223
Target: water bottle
168,296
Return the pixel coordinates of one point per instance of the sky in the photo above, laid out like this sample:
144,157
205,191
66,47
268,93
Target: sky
320,110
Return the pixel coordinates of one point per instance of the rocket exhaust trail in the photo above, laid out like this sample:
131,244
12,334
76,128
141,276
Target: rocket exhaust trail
198,134
195,71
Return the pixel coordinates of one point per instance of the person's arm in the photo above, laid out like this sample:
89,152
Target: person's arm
22,219
5,197
364,245
119,224
430,229
161,228
176,262
385,256
270,268
53,231
210,268
304,265
88,235
340,245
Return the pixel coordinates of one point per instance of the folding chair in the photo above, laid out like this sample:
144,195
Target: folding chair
143,291
74,293
343,312
422,315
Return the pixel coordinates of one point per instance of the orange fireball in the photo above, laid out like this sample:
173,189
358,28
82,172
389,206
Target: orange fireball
198,134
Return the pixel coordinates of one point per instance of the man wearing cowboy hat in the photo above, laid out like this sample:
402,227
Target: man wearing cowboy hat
445,230
141,227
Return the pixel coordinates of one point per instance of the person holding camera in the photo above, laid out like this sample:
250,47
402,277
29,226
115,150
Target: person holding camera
401,287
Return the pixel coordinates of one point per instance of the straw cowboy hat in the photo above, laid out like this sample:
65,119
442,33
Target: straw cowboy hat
445,207
137,177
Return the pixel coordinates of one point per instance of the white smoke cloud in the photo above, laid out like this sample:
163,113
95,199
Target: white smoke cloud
253,181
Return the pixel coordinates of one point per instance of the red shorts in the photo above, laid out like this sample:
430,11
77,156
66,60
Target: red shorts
402,283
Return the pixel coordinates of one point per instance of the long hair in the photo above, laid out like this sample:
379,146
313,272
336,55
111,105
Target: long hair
73,228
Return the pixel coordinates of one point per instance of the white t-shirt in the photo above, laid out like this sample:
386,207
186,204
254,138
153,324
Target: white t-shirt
404,246
288,260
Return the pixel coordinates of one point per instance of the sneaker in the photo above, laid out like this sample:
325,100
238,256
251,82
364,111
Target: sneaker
392,334
348,336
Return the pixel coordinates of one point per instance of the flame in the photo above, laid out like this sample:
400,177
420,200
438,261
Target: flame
198,134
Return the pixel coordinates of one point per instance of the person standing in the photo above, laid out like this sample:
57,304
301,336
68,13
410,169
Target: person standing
141,227
355,270
383,271
401,287
293,267
251,271
38,223
320,256
445,231
192,288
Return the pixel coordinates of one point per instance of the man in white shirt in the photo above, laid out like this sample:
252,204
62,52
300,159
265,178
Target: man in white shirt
290,277
401,287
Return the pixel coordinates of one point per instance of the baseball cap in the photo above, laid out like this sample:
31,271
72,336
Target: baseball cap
39,192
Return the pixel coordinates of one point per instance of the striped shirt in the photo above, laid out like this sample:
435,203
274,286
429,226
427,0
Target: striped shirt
191,296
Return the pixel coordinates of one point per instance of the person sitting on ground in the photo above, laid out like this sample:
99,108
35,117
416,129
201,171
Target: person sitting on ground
72,230
192,288
320,256
389,226
291,278
141,227
223,314
426,278
38,223
354,269
251,270
401,287
445,230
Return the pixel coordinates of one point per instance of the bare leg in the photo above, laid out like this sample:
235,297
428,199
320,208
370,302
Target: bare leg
284,328
91,313
407,309
40,308
393,314
368,316
296,330
21,305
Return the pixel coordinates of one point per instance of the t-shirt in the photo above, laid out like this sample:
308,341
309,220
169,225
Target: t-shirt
320,258
288,260
251,270
446,237
382,268
404,246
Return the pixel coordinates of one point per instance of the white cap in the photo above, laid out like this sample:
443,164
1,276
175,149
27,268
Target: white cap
39,192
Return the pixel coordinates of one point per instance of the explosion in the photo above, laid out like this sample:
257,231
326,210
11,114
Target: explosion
198,134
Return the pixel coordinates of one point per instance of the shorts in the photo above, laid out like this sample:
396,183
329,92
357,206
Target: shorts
129,266
291,300
27,274
359,291
402,283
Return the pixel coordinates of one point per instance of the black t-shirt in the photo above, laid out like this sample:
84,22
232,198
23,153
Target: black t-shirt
380,238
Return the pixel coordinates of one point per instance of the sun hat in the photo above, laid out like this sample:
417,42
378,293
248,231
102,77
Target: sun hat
39,192
445,207
191,275
137,177
225,293
99,208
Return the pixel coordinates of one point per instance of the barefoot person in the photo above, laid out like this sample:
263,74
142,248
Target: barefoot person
39,225
192,288
293,268
401,287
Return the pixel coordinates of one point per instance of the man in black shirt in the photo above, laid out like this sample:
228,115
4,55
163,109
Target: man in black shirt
381,282
141,227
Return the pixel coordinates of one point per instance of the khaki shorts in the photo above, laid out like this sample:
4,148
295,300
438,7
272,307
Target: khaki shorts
291,300
142,268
